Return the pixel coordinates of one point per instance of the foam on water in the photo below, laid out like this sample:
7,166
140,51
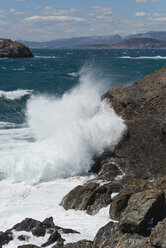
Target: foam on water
68,131
16,94
143,57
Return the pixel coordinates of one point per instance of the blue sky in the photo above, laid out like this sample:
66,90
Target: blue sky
39,20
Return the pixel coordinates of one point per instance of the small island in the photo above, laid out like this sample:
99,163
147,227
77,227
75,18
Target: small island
14,49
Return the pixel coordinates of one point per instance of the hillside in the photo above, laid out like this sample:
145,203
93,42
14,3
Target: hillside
140,43
75,42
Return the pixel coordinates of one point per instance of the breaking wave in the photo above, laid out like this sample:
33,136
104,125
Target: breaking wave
67,132
143,57
16,94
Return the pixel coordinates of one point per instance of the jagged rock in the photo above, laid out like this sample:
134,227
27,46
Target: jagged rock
141,153
120,201
5,238
23,237
66,230
158,235
90,197
109,236
104,235
28,246
13,49
127,240
79,244
141,209
26,225
39,231
48,223
52,239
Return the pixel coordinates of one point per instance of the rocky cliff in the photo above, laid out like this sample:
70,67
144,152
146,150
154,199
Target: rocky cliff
13,49
136,171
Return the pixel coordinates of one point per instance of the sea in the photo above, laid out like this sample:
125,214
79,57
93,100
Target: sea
53,123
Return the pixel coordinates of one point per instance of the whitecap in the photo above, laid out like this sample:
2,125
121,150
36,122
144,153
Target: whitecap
15,94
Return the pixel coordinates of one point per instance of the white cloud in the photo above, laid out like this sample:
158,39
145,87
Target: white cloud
53,18
141,14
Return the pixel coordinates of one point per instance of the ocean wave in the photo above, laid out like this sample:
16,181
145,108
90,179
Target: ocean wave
143,57
68,132
73,74
45,57
15,94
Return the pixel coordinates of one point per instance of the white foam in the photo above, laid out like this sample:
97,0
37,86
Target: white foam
73,74
143,57
45,57
19,200
15,94
68,131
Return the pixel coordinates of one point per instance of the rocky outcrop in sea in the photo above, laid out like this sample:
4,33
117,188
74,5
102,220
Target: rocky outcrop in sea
13,49
131,180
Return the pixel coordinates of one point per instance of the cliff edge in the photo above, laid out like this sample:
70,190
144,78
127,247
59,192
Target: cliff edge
13,49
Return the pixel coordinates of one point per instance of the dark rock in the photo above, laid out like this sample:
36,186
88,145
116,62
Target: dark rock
23,237
28,246
39,231
27,225
79,244
110,236
13,49
52,239
104,235
66,230
158,235
90,197
5,238
141,209
120,201
141,154
48,223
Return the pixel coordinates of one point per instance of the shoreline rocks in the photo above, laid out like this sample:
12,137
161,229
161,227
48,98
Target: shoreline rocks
14,49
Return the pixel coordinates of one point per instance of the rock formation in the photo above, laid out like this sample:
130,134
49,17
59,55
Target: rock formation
136,170
13,49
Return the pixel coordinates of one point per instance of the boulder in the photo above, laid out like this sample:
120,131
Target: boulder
104,235
52,239
142,208
27,225
23,237
120,201
13,49
79,244
158,235
110,236
90,197
39,231
5,238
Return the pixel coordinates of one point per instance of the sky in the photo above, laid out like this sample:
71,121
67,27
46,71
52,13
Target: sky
43,20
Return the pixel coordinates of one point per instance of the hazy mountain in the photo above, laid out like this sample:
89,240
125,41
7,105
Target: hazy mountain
140,43
76,42
158,35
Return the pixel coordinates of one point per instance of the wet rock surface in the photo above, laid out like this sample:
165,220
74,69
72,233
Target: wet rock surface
141,209
90,197
13,49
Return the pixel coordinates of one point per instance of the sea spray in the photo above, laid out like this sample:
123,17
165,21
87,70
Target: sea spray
68,131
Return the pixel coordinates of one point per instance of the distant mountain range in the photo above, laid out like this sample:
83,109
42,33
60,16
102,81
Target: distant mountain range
152,39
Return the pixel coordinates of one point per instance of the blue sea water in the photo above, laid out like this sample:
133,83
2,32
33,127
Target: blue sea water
47,104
